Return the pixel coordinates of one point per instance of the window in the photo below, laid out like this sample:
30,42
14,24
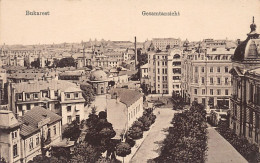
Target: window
20,96
211,80
37,140
219,91
68,95
226,92
196,80
211,91
196,69
211,69
68,108
202,80
226,81
195,91
165,71
56,93
158,78
158,71
31,144
78,118
28,106
76,95
27,95
158,63
226,69
54,130
35,96
218,79
158,85
15,151
14,134
202,69
218,69
203,91
69,119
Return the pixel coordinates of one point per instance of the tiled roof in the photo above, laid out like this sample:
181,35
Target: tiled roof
128,97
34,116
37,86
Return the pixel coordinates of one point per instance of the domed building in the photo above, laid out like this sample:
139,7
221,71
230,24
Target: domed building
245,100
99,82
248,52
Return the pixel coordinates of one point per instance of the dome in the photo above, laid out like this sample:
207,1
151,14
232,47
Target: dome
98,75
250,48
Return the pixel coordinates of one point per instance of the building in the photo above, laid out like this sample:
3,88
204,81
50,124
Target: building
124,107
164,71
245,100
165,43
99,82
21,140
62,97
205,76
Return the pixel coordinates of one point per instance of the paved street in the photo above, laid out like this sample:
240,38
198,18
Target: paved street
220,151
150,147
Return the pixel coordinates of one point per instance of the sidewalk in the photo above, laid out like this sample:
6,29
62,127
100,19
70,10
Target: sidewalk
150,148
220,151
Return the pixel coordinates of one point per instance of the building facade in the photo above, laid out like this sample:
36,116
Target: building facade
62,97
21,140
165,43
162,74
245,101
206,78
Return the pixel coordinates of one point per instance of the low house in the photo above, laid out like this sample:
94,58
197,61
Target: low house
21,140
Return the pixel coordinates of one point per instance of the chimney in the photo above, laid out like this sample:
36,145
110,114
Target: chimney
135,54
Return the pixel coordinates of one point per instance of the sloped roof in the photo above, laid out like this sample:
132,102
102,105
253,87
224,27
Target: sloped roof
34,116
37,86
127,96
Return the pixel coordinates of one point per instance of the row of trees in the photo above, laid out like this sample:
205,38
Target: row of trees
249,151
142,124
187,138
64,62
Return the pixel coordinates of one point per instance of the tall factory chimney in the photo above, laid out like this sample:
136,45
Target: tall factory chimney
135,54
84,56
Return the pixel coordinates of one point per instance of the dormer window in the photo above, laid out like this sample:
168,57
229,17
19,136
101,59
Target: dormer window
27,95
68,95
20,96
35,95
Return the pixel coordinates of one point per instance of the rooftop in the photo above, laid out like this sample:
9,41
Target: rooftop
37,86
32,118
127,96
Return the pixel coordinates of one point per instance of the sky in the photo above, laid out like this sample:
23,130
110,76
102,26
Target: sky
77,20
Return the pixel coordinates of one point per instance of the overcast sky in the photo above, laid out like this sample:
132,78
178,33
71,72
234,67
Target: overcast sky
76,20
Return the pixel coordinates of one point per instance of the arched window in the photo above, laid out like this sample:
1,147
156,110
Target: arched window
176,56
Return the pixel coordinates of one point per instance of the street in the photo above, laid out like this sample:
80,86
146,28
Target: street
150,147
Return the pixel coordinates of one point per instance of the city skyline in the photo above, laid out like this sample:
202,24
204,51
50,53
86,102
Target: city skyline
74,21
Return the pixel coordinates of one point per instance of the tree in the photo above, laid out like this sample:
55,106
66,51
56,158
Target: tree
85,152
67,62
111,83
72,131
55,62
36,64
47,63
88,93
135,133
100,132
168,47
123,149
